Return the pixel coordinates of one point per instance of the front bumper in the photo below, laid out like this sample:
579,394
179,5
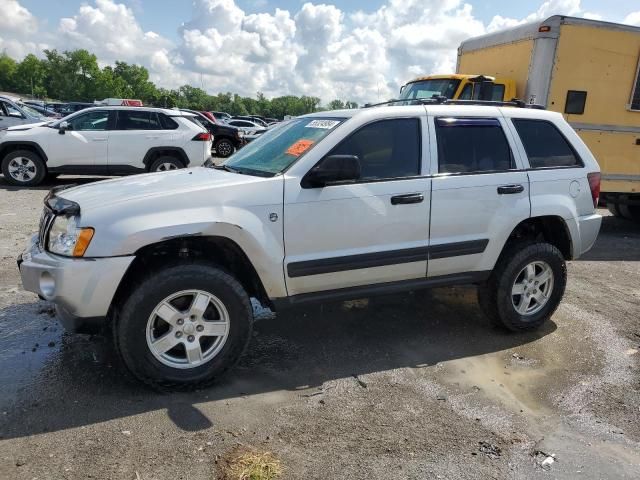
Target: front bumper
81,288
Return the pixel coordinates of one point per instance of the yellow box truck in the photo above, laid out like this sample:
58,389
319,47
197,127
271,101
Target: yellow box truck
585,69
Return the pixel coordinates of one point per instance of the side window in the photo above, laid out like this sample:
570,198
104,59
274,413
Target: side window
90,121
467,92
545,145
468,145
167,123
387,148
497,95
137,120
3,109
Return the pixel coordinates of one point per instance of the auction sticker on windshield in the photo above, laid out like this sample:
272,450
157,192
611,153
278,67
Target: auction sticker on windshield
299,147
324,124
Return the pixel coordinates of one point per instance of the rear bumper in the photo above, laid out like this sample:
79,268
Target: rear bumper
589,227
81,288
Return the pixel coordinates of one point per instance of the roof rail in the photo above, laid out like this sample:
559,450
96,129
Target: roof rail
440,100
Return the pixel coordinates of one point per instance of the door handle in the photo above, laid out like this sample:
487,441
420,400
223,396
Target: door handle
510,189
99,139
406,199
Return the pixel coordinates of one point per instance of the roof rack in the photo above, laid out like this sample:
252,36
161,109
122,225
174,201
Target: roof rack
440,100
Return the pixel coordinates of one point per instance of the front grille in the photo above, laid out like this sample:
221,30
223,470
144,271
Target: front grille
45,224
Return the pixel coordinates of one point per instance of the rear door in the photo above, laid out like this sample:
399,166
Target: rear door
135,133
480,193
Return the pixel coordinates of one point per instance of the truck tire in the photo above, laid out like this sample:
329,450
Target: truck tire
614,208
525,287
224,147
630,212
166,163
23,168
183,327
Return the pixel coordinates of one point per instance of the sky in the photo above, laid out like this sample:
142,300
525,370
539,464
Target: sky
359,50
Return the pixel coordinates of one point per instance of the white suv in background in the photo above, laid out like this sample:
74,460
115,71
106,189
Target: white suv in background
104,141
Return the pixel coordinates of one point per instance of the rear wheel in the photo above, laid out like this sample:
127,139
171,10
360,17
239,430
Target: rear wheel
525,288
224,147
166,163
23,168
630,212
614,208
184,327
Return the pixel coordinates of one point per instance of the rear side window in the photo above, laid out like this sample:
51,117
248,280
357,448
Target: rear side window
546,147
386,148
137,120
472,145
167,123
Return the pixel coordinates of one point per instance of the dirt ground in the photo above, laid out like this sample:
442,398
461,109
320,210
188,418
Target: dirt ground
410,386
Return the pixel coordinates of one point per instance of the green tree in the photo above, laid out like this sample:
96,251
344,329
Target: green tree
30,75
336,105
8,68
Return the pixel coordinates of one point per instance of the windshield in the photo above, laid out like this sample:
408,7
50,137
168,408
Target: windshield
282,145
445,87
32,112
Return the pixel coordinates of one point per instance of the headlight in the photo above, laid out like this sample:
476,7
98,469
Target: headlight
65,238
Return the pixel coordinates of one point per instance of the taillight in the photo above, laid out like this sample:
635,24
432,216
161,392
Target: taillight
202,137
594,185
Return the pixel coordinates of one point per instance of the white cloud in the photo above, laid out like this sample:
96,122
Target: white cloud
632,19
317,50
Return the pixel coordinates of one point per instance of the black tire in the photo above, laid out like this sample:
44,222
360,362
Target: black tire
130,326
166,163
495,296
224,147
630,212
614,208
52,176
37,171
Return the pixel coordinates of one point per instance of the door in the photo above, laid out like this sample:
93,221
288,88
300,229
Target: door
374,230
480,193
135,133
10,116
83,145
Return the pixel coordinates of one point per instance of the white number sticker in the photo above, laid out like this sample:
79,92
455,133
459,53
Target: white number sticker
324,124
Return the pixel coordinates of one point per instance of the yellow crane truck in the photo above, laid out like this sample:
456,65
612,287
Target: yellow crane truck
585,69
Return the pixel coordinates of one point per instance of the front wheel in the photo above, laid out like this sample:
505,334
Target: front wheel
23,168
184,327
525,287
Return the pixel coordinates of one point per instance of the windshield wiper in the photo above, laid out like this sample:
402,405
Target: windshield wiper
227,168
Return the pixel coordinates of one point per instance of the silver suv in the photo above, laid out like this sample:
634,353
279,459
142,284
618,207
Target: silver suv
335,205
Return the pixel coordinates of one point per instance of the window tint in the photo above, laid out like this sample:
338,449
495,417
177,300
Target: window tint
467,92
96,120
137,120
387,149
472,145
497,94
635,93
167,123
545,145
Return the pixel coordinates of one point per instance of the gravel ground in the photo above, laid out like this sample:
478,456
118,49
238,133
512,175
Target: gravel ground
400,387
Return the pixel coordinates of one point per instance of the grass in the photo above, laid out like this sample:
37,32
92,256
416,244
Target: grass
245,464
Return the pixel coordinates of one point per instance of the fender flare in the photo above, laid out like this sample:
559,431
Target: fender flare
151,153
26,143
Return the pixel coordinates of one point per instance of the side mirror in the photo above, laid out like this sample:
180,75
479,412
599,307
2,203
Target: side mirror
331,170
63,127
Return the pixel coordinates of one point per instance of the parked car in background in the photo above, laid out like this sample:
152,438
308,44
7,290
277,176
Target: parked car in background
41,109
15,113
123,102
226,138
104,141
249,127
251,118
223,116
72,107
433,196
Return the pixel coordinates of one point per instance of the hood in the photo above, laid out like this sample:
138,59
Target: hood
28,126
181,184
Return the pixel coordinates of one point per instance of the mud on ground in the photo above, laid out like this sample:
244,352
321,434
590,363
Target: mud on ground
400,387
